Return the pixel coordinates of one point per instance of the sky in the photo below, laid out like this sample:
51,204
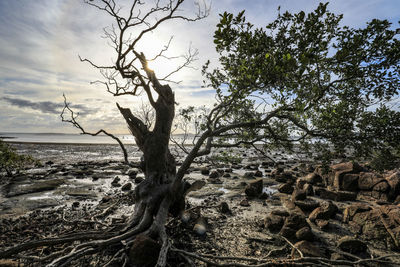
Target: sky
41,41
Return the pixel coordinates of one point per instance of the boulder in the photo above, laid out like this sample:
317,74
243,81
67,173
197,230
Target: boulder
307,205
295,221
341,170
254,189
280,212
286,188
299,194
351,245
394,182
132,173
352,210
305,233
368,180
326,193
224,208
346,196
214,175
248,175
144,251
273,222
349,182
322,224
283,177
326,211
309,189
308,250
313,178
205,171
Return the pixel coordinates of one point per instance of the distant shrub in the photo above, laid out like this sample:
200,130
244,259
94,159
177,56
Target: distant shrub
10,161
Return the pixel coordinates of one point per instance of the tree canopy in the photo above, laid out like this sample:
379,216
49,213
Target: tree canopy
312,78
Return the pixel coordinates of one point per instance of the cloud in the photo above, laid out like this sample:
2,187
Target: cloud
45,106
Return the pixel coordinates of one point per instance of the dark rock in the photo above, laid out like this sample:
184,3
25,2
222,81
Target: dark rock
132,173
349,182
224,208
295,221
244,203
322,224
106,199
126,187
280,212
326,211
254,189
351,245
305,233
300,183
115,182
215,181
286,188
258,173
325,193
49,162
288,232
138,179
351,210
75,204
144,251
226,175
299,194
313,178
307,205
394,182
368,180
308,250
273,222
309,189
205,171
248,175
214,175
283,177
346,196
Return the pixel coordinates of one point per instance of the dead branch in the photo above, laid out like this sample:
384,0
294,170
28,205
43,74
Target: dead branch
73,121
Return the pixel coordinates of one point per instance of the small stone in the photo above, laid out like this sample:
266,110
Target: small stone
138,179
75,204
226,175
106,199
126,187
244,203
224,208
288,232
313,178
295,221
132,173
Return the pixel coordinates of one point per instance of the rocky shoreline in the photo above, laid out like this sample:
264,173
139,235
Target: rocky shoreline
256,210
